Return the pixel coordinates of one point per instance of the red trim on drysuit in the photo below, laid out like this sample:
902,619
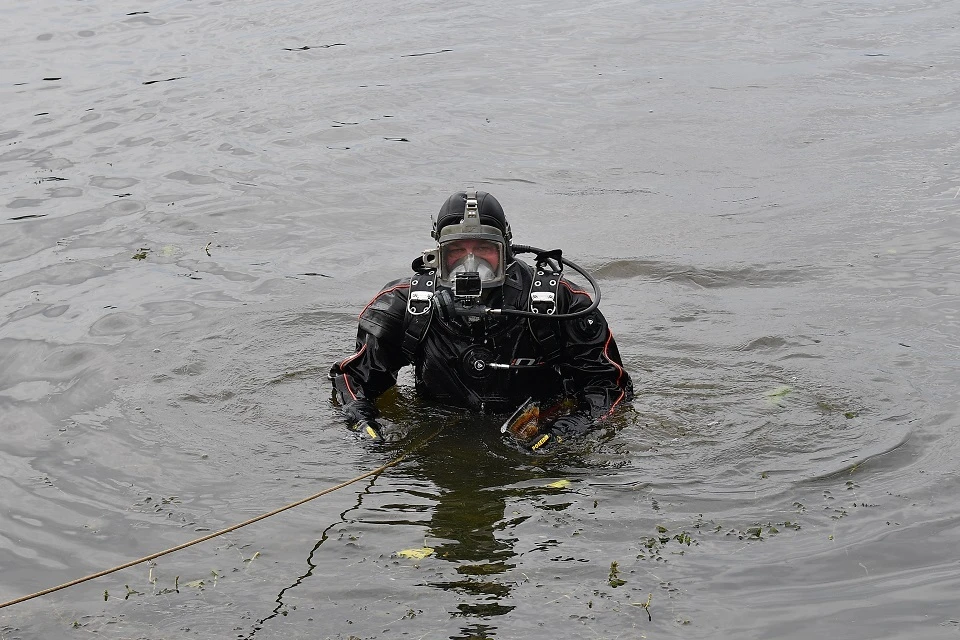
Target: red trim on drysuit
344,362
606,354
623,391
346,378
393,288
572,290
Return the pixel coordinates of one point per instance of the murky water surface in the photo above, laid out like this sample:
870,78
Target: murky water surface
198,197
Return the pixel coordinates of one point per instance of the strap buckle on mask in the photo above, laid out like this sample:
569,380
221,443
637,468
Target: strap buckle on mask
471,210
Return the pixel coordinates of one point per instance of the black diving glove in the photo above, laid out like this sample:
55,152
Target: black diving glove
377,430
369,430
572,426
361,420
562,429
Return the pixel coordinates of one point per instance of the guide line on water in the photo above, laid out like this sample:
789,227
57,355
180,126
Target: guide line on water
210,536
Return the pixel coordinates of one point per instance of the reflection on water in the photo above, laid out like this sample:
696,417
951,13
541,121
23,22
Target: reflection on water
454,490
280,609
468,521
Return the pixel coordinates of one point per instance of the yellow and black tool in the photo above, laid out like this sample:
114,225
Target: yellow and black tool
529,422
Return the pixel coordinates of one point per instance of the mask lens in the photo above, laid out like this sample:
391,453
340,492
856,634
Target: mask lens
472,255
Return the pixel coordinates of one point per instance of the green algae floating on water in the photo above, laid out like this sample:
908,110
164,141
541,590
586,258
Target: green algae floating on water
778,392
614,579
416,554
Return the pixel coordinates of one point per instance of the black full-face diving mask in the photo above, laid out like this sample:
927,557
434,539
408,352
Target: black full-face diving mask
469,256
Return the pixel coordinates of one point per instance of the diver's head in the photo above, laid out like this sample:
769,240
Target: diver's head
473,237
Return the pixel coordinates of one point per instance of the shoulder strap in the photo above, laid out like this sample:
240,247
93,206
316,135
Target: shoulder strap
543,299
419,311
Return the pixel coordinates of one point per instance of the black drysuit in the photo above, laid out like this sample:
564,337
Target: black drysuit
577,358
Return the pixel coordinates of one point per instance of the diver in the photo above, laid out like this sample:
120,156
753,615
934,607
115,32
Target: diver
488,332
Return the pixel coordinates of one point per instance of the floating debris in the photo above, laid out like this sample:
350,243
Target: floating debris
614,579
167,80
426,53
416,554
646,606
778,392
316,46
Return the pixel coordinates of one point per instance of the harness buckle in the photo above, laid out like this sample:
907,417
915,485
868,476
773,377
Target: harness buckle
543,301
419,302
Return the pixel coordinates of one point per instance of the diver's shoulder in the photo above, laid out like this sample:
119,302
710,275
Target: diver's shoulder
392,293
517,266
574,288
383,315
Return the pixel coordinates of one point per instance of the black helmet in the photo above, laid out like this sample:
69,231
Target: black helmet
491,213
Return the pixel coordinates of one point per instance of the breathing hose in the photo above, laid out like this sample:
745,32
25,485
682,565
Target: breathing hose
522,248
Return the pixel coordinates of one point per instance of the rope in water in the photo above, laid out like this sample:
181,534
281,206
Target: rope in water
125,565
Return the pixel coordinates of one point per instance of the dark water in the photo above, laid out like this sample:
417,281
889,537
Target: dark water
767,191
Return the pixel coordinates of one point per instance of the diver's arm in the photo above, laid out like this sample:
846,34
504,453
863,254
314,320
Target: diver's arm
361,378
591,362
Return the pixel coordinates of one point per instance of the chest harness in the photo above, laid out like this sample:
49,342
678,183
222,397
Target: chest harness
541,300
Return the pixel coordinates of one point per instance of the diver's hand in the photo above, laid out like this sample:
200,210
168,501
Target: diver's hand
572,426
361,419
539,443
562,429
368,430
376,431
